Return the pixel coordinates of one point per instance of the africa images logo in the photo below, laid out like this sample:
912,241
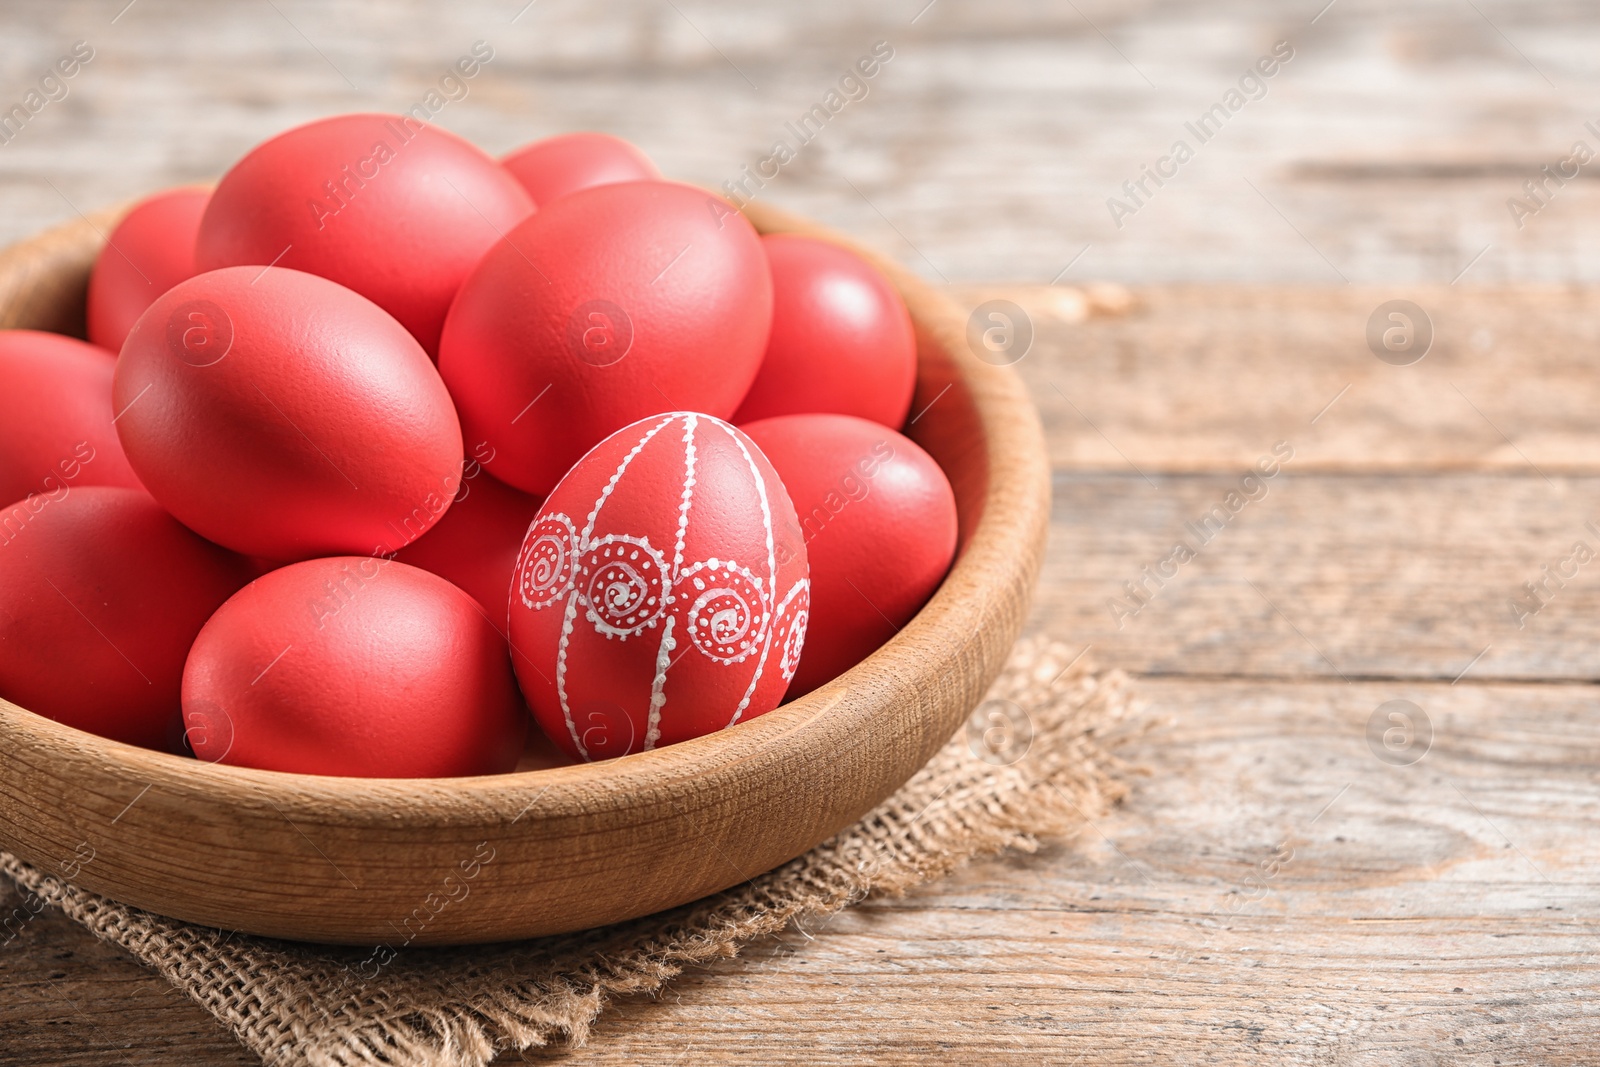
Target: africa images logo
1252,86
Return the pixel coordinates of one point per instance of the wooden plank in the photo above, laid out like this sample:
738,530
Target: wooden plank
1341,576
1208,378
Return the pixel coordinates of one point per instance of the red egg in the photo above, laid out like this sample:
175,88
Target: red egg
879,522
56,416
563,164
284,416
842,340
395,209
612,304
662,592
475,545
150,251
101,594
353,666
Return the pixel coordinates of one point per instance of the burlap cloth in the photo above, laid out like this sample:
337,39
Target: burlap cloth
991,788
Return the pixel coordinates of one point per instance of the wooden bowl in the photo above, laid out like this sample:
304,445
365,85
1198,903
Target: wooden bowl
458,861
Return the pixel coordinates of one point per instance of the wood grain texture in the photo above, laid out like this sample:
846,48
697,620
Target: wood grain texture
357,861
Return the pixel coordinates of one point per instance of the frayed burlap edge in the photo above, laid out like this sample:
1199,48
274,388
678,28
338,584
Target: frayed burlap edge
1036,761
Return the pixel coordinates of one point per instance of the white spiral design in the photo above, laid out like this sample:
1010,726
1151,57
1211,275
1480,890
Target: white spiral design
729,616
624,586
547,564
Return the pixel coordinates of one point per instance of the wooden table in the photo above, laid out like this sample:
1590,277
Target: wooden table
1273,891
1277,889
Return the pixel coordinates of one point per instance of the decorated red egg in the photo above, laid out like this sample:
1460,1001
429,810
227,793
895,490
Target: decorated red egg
396,209
150,251
842,339
56,416
285,416
662,592
353,666
552,168
475,545
879,522
101,594
609,305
